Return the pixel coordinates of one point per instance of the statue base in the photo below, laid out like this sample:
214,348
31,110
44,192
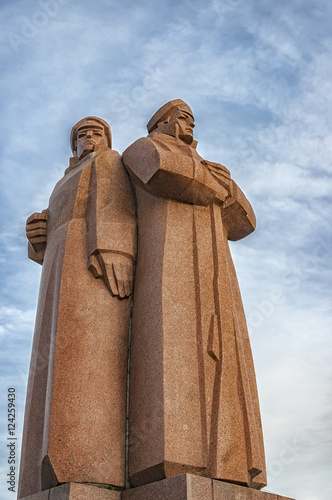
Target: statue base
184,487
191,487
76,491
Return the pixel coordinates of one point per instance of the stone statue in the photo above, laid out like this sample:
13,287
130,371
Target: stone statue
193,398
76,402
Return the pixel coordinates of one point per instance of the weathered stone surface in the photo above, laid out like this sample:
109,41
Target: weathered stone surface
42,495
76,401
228,491
184,487
74,491
190,487
193,398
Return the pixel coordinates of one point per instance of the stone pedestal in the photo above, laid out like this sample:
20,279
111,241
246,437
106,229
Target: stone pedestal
184,487
76,491
191,487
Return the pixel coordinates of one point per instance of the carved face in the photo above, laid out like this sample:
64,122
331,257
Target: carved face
184,124
90,137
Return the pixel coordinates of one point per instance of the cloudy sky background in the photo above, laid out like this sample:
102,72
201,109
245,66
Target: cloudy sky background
257,74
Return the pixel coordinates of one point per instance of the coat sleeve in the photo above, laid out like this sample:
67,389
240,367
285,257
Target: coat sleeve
237,214
169,175
111,225
36,249
35,256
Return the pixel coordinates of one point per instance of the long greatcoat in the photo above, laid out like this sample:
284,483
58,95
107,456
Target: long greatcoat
193,398
76,402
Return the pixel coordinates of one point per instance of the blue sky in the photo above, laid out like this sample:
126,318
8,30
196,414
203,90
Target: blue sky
258,76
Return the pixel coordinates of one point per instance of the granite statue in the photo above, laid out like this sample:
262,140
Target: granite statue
193,398
75,416
193,420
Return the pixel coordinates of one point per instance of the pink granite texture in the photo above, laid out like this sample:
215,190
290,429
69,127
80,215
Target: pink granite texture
184,487
192,487
193,398
75,491
75,415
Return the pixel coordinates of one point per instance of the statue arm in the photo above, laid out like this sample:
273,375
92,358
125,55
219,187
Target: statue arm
111,225
36,232
167,174
238,215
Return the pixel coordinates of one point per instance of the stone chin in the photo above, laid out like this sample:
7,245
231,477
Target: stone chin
88,149
187,138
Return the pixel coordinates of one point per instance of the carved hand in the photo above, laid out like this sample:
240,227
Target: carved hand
36,230
220,172
116,271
